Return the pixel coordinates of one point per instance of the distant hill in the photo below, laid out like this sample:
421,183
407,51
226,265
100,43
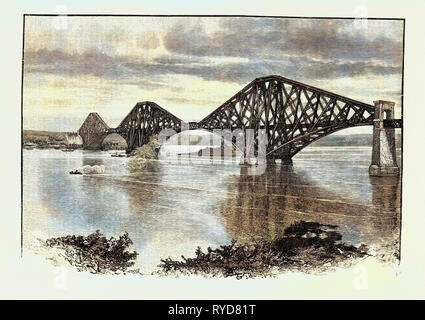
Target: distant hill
57,140
36,136
354,140
48,138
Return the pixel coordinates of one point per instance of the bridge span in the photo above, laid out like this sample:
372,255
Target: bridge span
291,114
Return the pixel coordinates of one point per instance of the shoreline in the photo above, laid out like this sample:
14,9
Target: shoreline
37,139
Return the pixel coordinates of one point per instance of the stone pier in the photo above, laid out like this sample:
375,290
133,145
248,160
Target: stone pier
384,161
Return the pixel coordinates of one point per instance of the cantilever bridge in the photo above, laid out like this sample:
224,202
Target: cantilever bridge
292,115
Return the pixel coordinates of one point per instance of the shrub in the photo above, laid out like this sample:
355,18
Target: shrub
304,246
95,253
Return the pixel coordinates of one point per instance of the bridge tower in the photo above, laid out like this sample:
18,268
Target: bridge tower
384,161
93,131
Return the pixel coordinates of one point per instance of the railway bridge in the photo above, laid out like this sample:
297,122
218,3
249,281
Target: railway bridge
290,114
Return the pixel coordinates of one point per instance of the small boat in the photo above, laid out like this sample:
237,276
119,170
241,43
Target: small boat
75,172
119,155
67,150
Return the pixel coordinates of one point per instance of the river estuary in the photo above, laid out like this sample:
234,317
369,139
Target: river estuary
175,206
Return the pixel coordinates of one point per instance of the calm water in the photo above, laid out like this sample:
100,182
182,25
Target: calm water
173,207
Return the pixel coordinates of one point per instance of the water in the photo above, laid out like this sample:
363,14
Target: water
173,207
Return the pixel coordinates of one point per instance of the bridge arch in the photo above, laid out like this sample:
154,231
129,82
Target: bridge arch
290,148
222,144
114,141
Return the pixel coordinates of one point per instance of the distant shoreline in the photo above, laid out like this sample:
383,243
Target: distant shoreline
44,139
41,139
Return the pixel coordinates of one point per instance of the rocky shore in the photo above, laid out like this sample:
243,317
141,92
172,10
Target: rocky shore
304,247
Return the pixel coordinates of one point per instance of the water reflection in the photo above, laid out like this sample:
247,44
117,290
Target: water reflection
71,204
172,206
88,160
385,194
261,207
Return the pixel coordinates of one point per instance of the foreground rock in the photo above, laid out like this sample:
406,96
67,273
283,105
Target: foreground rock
305,246
143,155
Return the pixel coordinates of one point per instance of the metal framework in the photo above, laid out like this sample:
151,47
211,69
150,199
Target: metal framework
292,115
145,120
93,131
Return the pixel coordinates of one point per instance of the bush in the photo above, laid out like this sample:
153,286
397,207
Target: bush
304,246
95,253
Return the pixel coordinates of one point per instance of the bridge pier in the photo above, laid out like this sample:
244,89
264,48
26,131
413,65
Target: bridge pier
384,160
93,131
285,156
271,161
286,162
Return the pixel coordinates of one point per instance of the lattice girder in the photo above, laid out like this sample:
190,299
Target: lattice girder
292,114
145,120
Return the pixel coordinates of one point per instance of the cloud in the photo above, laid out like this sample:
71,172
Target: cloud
165,58
70,64
271,38
133,70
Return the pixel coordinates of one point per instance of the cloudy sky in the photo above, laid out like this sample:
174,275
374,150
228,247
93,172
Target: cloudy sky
191,65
